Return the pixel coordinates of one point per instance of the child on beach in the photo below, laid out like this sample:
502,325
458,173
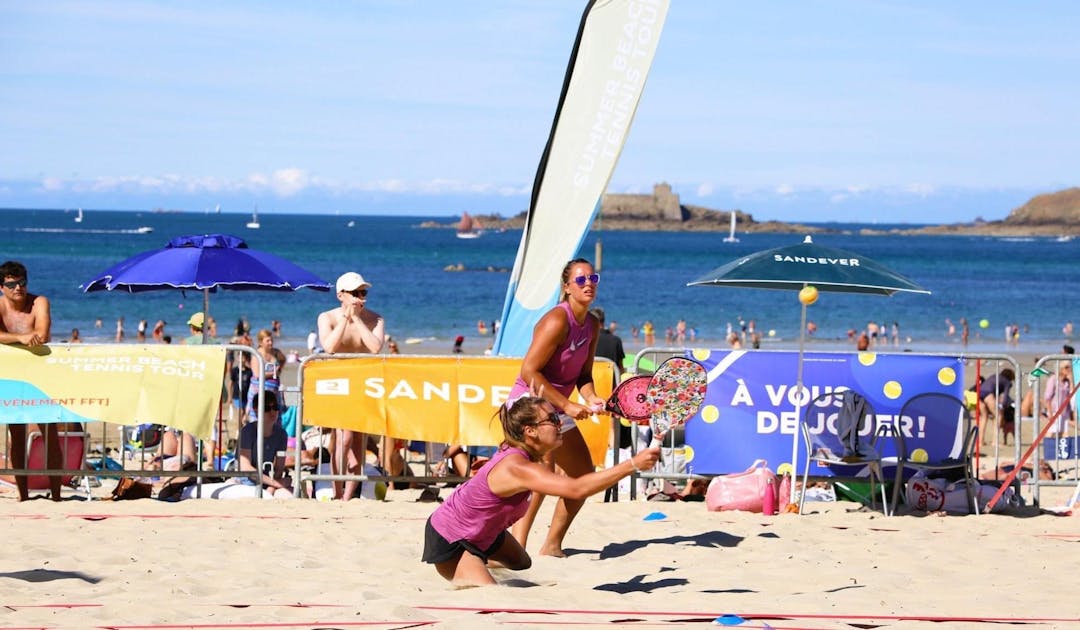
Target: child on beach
468,531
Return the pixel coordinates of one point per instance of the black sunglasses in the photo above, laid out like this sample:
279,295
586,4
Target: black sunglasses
553,419
594,278
11,284
358,292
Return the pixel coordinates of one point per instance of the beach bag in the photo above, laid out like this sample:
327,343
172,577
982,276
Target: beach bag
741,491
926,494
130,488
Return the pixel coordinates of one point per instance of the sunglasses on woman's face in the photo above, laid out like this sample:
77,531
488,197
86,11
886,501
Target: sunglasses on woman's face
358,293
592,278
12,284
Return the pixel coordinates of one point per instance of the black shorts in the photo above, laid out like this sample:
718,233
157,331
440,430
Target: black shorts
438,550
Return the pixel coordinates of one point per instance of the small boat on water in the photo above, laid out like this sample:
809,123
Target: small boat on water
78,216
469,227
253,224
145,229
731,238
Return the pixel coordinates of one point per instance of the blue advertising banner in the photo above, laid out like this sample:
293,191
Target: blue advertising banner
750,407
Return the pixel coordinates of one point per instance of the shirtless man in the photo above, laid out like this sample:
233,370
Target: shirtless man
25,320
352,328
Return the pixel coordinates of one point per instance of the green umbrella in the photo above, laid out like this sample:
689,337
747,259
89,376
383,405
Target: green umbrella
807,264
796,266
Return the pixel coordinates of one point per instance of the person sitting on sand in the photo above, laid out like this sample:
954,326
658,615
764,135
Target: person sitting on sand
274,441
468,530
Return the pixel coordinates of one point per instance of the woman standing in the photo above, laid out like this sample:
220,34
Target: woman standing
469,529
559,360
273,362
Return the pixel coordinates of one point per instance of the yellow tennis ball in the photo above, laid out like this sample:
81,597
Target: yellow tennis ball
710,413
784,468
893,390
808,295
920,456
984,323
688,454
772,332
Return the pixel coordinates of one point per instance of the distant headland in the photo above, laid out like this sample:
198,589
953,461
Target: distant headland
1051,214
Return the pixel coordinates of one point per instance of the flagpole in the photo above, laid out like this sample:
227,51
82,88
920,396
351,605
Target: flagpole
798,405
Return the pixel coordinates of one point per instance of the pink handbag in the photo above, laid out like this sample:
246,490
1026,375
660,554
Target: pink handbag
742,491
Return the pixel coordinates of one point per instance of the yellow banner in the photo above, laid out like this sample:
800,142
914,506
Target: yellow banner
434,399
179,386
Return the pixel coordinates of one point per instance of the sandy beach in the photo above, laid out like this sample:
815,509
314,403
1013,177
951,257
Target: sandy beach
307,564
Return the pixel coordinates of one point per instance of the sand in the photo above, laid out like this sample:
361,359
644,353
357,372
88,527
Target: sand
306,564
274,563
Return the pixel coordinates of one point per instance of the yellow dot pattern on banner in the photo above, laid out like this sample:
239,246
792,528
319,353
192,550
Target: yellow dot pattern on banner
892,390
701,354
710,413
784,469
688,453
920,456
946,376
867,358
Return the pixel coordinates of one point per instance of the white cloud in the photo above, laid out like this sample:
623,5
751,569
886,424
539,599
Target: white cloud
785,189
922,190
287,182
704,190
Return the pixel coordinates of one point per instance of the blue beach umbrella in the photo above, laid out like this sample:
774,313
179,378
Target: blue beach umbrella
205,262
796,267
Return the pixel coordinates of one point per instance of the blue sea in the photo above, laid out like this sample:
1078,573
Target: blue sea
1026,281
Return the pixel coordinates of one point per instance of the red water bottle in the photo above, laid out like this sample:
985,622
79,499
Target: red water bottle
768,499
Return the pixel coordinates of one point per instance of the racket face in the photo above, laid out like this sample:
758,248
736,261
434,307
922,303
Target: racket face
630,400
675,393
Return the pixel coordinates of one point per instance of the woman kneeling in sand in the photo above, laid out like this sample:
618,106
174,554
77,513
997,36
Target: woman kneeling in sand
469,529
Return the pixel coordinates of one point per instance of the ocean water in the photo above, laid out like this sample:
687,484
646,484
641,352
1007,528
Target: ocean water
1029,282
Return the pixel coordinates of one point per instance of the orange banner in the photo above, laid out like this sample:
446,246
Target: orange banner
435,399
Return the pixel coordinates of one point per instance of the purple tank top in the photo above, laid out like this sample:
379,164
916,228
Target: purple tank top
476,514
564,367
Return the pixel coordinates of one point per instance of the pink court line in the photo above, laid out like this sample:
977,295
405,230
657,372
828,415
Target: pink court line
771,615
289,624
101,517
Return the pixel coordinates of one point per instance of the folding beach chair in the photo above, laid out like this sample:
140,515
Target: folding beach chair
74,446
833,427
941,439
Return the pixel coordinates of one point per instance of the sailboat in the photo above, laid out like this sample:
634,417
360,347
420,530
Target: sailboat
253,224
731,238
468,227
78,217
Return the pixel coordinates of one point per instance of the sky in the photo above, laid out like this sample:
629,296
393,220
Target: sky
818,110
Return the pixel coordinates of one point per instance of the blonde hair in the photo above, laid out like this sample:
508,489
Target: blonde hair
263,334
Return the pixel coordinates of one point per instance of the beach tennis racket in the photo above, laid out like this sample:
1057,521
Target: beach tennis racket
630,399
676,392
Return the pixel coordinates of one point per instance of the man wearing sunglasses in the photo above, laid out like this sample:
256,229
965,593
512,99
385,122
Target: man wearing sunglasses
25,320
353,328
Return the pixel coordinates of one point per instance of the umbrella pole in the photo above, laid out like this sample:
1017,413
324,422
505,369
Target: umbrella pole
206,316
798,407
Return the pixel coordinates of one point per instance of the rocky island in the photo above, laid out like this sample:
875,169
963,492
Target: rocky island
1052,214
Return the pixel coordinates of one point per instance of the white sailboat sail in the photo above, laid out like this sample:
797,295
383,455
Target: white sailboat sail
731,238
608,66
254,224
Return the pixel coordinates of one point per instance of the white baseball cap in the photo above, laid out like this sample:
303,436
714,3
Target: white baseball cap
351,281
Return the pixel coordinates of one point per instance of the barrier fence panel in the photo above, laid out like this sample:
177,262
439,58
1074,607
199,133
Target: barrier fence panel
1053,416
752,405
114,401
448,399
